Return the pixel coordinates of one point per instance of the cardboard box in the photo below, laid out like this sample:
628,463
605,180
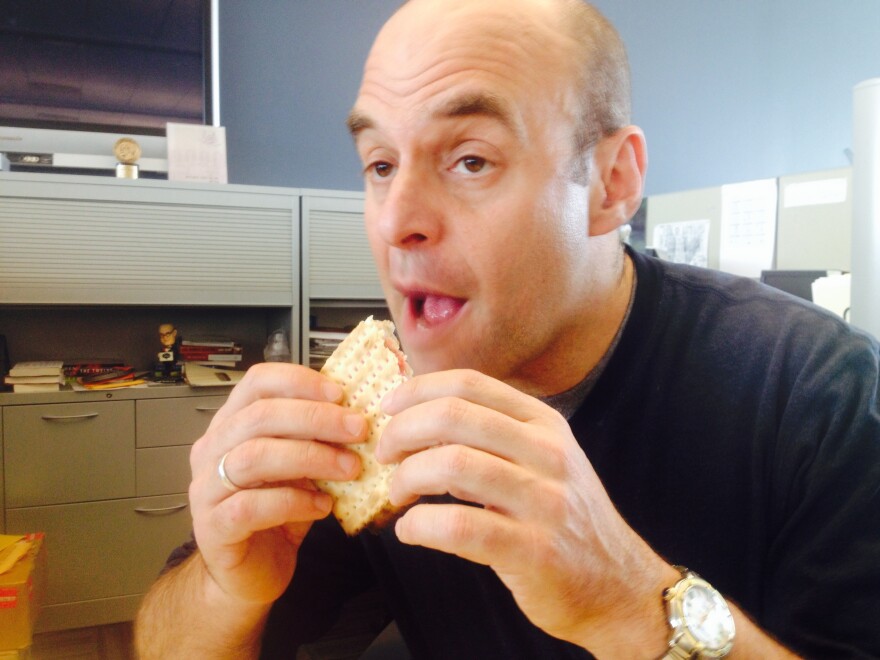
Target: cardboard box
22,590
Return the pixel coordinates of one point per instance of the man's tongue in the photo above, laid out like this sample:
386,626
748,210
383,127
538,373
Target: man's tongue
437,309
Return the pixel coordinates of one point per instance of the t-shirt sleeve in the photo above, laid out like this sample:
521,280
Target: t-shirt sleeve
331,569
823,580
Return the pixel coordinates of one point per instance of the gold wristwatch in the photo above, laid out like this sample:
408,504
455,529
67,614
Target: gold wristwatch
701,622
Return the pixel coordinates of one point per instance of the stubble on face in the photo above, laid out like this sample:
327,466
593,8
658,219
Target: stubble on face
525,285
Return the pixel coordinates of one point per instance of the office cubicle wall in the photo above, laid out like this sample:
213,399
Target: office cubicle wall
813,220
686,210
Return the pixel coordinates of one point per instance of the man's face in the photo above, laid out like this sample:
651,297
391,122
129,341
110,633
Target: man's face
168,335
464,126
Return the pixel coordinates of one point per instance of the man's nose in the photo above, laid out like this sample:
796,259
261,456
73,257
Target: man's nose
411,213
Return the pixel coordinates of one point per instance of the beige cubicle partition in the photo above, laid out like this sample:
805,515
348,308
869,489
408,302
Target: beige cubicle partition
814,221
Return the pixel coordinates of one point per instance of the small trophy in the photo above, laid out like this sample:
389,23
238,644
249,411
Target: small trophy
127,151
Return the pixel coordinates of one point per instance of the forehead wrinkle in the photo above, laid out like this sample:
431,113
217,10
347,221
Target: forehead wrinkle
481,104
424,89
465,104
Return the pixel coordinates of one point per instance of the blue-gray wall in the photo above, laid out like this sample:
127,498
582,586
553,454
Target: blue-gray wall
725,90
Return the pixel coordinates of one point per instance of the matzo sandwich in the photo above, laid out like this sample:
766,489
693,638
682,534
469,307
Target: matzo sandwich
367,364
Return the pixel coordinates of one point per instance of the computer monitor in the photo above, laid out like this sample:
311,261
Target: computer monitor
796,282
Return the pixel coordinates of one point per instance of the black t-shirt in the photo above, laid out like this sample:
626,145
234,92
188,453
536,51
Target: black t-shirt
736,429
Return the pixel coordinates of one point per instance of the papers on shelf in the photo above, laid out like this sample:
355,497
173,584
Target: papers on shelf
37,368
36,376
196,153
198,375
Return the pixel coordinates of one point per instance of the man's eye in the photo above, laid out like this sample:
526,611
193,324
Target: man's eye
380,169
471,165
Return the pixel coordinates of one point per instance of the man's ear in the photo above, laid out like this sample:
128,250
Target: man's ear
619,164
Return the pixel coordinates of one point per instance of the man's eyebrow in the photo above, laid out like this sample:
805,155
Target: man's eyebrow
479,103
465,105
357,121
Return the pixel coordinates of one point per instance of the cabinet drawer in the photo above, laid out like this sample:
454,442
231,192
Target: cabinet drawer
177,421
105,549
163,470
68,452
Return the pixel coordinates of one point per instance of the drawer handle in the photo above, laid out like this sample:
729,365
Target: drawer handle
69,418
161,510
207,408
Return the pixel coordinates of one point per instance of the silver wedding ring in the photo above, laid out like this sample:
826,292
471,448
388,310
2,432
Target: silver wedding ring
224,478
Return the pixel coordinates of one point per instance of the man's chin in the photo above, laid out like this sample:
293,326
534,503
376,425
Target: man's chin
424,362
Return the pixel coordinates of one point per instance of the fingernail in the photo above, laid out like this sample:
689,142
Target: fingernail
354,424
385,403
332,391
323,502
346,461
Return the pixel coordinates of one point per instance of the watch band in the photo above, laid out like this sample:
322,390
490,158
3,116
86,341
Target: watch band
685,643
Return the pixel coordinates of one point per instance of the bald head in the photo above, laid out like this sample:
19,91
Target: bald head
604,71
570,30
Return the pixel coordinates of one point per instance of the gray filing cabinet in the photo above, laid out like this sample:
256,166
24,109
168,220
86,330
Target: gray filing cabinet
340,283
105,477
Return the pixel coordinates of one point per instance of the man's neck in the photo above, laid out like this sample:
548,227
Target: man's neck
582,346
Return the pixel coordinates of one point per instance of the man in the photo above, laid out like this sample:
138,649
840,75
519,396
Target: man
710,423
166,367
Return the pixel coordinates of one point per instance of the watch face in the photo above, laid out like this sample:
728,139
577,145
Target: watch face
707,615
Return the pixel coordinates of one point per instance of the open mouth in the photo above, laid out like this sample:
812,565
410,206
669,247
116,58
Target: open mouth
430,310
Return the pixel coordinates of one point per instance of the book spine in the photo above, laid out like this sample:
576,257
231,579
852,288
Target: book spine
203,357
213,344
196,350
75,370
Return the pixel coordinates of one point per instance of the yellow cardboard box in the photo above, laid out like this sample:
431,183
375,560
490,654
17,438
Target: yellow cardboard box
22,590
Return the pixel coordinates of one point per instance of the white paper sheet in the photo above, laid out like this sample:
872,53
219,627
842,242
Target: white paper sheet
196,153
814,193
748,227
685,242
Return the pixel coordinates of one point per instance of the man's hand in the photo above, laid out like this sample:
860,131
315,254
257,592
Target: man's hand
546,525
274,431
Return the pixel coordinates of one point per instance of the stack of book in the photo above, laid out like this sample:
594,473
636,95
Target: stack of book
210,352
122,376
36,376
80,368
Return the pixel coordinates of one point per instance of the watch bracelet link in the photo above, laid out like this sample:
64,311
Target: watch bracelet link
677,654
674,650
